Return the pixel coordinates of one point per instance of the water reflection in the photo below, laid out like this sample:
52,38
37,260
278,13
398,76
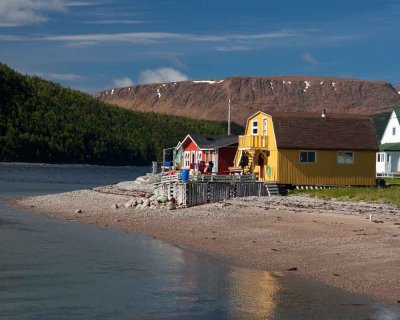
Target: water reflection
252,294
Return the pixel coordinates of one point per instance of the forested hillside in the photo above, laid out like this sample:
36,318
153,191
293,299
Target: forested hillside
42,122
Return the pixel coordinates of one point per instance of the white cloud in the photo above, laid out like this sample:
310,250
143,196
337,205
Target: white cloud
115,21
82,3
23,12
161,75
232,48
123,82
309,58
149,37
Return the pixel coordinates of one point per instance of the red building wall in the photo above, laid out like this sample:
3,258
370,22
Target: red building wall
226,156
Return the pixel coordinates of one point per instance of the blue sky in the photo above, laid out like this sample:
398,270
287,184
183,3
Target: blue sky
98,44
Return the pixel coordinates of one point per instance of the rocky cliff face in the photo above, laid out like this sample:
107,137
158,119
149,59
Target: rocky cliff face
209,99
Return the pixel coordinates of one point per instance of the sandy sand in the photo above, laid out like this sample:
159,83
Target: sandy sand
331,241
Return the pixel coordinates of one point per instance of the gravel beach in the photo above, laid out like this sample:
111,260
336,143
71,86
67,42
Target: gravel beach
335,242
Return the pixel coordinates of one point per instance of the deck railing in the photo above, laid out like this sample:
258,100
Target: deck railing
177,177
250,141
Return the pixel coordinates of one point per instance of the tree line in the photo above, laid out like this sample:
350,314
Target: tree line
40,121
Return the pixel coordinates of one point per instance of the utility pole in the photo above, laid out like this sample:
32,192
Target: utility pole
229,117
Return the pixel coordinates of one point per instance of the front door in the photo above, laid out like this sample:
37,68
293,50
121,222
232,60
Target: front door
261,165
388,163
193,157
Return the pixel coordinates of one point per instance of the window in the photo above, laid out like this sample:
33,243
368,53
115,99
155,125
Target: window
254,129
186,159
393,131
381,157
345,157
265,127
308,156
198,156
388,158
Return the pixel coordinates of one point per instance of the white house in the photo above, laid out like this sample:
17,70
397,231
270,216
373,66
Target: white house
387,127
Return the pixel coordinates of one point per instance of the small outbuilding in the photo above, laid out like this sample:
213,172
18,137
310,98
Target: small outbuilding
220,150
309,149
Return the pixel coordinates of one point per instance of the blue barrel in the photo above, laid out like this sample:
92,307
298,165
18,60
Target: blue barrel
185,176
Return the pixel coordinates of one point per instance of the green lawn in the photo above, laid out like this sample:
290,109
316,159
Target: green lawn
392,180
387,195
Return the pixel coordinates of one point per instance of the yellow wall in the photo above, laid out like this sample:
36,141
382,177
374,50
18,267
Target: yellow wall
286,168
326,170
272,160
270,132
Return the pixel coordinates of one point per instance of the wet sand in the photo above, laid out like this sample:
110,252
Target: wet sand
330,241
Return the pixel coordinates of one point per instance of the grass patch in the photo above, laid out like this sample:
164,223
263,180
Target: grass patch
387,195
392,180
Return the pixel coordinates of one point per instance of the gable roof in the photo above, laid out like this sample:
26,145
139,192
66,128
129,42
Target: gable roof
252,116
211,141
381,120
334,132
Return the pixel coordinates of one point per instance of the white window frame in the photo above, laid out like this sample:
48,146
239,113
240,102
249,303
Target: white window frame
380,157
265,127
199,156
254,127
308,151
186,159
343,157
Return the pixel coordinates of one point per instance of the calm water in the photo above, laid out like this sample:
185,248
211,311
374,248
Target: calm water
55,269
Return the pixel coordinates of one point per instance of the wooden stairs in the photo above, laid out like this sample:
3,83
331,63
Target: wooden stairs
238,159
274,189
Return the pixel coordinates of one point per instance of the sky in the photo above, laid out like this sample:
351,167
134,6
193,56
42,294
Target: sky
93,45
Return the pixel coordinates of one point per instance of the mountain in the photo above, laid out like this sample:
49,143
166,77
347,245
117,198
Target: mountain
41,121
209,99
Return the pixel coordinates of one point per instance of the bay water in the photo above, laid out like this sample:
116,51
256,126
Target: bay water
56,269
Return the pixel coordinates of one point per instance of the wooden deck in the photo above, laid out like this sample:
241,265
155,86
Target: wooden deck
198,193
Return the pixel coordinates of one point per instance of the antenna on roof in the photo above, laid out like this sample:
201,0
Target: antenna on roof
323,114
230,106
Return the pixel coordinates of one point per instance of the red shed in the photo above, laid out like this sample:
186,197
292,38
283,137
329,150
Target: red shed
220,150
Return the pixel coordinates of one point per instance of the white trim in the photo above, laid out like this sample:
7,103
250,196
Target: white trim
264,127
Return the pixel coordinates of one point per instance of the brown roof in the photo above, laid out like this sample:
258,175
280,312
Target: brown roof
334,132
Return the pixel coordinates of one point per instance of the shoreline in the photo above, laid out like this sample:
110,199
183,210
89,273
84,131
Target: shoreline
329,241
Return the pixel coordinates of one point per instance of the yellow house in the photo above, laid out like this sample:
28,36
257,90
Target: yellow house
309,148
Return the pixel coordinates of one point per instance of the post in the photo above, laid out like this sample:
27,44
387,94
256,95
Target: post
154,169
229,117
163,161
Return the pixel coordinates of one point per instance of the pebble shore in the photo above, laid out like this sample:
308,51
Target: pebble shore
351,245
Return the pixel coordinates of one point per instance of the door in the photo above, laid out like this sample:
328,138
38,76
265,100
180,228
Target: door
388,163
261,165
193,158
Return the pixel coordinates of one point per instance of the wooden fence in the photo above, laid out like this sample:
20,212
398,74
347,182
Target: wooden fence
194,194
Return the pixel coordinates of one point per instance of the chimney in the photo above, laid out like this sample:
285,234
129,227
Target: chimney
323,114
